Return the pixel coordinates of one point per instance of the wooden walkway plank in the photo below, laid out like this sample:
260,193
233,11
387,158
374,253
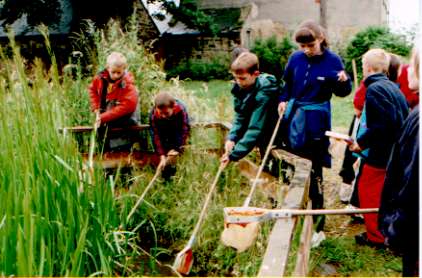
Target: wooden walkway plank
277,253
83,129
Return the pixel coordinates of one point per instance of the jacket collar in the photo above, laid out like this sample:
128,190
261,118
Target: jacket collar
104,74
316,58
373,78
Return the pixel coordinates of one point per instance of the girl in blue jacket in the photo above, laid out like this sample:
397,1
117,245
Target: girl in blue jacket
312,75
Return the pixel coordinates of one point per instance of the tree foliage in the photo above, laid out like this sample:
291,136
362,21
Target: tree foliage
188,13
50,12
374,37
37,12
273,54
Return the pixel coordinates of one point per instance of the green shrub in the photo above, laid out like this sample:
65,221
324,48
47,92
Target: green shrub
374,37
202,69
273,54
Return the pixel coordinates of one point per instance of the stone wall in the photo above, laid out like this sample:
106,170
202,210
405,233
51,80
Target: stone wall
279,17
178,48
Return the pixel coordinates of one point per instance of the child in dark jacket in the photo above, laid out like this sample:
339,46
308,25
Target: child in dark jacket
170,129
399,209
113,94
255,106
385,110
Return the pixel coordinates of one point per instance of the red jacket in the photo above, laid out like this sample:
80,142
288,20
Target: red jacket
121,100
171,133
411,96
359,99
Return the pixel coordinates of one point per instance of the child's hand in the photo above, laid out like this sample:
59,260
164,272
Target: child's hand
163,162
228,146
355,148
172,156
225,159
358,113
281,107
172,152
342,76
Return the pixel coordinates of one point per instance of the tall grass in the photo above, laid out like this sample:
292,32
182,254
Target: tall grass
48,227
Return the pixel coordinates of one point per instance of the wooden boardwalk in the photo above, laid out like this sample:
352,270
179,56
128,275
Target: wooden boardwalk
278,249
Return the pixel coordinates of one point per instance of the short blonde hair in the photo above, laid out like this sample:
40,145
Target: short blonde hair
378,59
116,59
245,62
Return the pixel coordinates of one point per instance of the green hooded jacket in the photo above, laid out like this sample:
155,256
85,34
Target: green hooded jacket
255,115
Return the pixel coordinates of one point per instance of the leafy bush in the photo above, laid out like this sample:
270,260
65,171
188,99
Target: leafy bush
374,37
273,54
202,69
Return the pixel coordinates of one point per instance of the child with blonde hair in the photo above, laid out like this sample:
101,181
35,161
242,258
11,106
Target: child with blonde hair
384,111
113,94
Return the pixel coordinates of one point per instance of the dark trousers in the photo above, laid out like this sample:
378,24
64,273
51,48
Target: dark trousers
411,261
121,140
316,190
316,193
347,172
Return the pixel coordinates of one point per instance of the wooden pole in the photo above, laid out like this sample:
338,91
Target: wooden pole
355,74
323,13
304,251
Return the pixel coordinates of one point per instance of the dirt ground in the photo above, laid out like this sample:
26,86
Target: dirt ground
337,225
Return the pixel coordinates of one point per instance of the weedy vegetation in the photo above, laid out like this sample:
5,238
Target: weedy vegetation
57,219
54,221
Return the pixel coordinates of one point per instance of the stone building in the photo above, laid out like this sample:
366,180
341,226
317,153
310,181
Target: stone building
342,18
243,21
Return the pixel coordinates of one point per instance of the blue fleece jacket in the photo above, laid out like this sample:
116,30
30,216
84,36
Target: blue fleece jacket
314,78
386,109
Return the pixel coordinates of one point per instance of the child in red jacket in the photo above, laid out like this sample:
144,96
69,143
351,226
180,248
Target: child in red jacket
113,94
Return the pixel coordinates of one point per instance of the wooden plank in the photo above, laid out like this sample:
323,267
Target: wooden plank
125,159
113,160
267,183
84,129
249,170
277,253
285,156
304,251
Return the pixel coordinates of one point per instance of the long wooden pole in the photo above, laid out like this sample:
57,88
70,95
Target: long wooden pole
355,74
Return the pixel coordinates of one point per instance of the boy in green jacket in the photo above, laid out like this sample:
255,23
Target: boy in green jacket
255,105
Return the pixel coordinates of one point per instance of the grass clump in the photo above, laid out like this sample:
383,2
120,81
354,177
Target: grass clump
350,259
